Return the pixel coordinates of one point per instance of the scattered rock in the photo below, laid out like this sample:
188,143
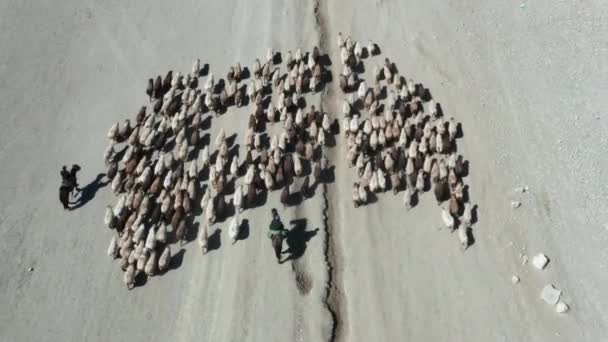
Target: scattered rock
524,259
515,204
540,261
522,6
31,269
514,279
522,189
550,294
561,307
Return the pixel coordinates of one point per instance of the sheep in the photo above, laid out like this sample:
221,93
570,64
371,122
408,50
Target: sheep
381,138
454,206
151,240
467,215
161,234
150,267
166,204
205,156
395,182
120,206
420,181
458,191
447,219
168,182
452,179
452,127
180,232
168,160
233,228
209,83
434,171
109,217
113,132
297,165
285,196
113,248
355,194
164,259
441,191
139,233
362,194
210,212
358,50
381,180
443,169
129,277
408,198
268,180
362,91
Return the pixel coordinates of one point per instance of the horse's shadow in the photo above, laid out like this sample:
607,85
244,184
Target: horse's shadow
297,239
88,192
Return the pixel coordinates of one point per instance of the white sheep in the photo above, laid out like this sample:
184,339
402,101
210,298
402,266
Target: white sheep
346,108
209,83
408,194
203,238
113,132
168,160
233,228
452,127
164,259
362,91
420,181
210,212
238,198
234,167
168,182
161,233
362,194
354,124
120,206
381,180
108,217
113,248
139,233
467,215
205,156
448,220
373,182
150,267
268,180
159,168
109,153
205,199
129,277
249,175
463,237
297,164
151,239
381,137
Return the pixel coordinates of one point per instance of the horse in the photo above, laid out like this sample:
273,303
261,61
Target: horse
67,186
277,244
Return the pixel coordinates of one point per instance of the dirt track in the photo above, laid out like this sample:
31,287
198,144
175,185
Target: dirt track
526,83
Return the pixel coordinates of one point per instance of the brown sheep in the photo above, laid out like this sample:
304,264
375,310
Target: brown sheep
177,217
454,206
285,196
180,232
442,191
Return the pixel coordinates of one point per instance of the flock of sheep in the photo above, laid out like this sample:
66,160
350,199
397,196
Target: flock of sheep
399,143
157,174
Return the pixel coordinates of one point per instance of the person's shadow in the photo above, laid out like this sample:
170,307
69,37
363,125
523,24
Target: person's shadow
297,238
88,192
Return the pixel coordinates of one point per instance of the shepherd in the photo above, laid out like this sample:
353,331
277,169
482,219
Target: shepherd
68,184
277,233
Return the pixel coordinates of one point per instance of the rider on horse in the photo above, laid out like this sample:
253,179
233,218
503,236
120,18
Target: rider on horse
276,233
276,226
68,178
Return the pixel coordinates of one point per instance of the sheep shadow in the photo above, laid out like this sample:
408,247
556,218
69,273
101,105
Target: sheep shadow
214,241
245,73
177,259
297,239
88,192
328,175
192,231
244,231
140,279
277,59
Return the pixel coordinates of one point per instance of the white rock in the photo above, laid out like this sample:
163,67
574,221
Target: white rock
514,279
540,261
30,269
561,307
524,259
515,204
550,294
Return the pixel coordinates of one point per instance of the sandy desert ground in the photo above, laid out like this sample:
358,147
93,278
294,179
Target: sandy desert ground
527,81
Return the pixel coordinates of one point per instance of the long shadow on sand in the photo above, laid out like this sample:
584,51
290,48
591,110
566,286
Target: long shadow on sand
88,192
297,239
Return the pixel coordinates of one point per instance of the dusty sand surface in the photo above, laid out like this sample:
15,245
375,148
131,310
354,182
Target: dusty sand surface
527,83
